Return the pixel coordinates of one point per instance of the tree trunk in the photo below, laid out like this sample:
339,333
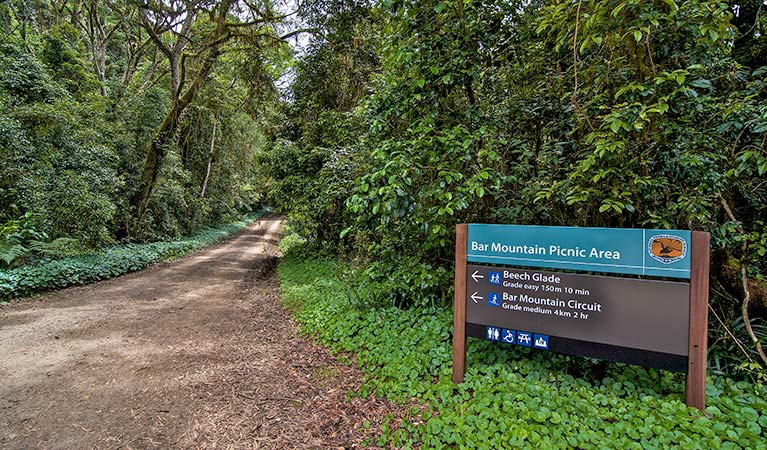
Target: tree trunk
210,160
167,130
99,65
158,148
165,135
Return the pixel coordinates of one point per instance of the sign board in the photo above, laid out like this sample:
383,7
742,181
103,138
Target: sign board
610,250
648,318
655,323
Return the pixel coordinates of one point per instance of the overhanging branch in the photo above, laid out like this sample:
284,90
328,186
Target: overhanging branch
297,32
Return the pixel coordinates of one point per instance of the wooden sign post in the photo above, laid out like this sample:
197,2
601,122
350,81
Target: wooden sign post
649,322
695,388
459,305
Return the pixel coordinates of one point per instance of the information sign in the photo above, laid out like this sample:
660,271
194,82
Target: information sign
651,322
648,318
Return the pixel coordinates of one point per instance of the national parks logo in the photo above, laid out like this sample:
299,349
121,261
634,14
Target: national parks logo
667,248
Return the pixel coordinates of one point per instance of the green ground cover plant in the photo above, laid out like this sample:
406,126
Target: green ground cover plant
57,273
512,397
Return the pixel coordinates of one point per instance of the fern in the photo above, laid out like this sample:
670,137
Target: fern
62,246
11,250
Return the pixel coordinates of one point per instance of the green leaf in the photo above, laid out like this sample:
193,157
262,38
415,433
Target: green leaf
701,83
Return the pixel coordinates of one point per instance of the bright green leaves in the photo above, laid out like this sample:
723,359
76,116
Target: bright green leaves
608,204
21,242
433,159
644,139
749,160
619,113
425,182
671,4
511,397
58,157
678,76
427,178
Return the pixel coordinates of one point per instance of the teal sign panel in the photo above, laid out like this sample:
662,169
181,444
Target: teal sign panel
657,253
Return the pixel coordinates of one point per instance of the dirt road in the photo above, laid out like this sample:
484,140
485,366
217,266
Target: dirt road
194,354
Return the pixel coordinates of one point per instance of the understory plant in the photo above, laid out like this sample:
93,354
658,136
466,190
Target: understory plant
512,397
51,273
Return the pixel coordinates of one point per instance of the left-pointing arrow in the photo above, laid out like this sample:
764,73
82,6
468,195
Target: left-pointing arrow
476,297
477,276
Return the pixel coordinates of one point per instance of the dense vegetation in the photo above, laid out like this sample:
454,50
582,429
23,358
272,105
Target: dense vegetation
128,122
618,113
511,397
132,121
59,272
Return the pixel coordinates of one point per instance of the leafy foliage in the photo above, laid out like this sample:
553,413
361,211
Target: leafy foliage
54,160
315,153
511,397
617,113
57,273
83,92
431,154
19,239
133,122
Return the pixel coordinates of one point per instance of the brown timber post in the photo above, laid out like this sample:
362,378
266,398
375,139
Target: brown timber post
459,304
695,390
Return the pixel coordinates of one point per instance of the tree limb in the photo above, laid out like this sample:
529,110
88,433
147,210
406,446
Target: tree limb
744,279
299,31
574,97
